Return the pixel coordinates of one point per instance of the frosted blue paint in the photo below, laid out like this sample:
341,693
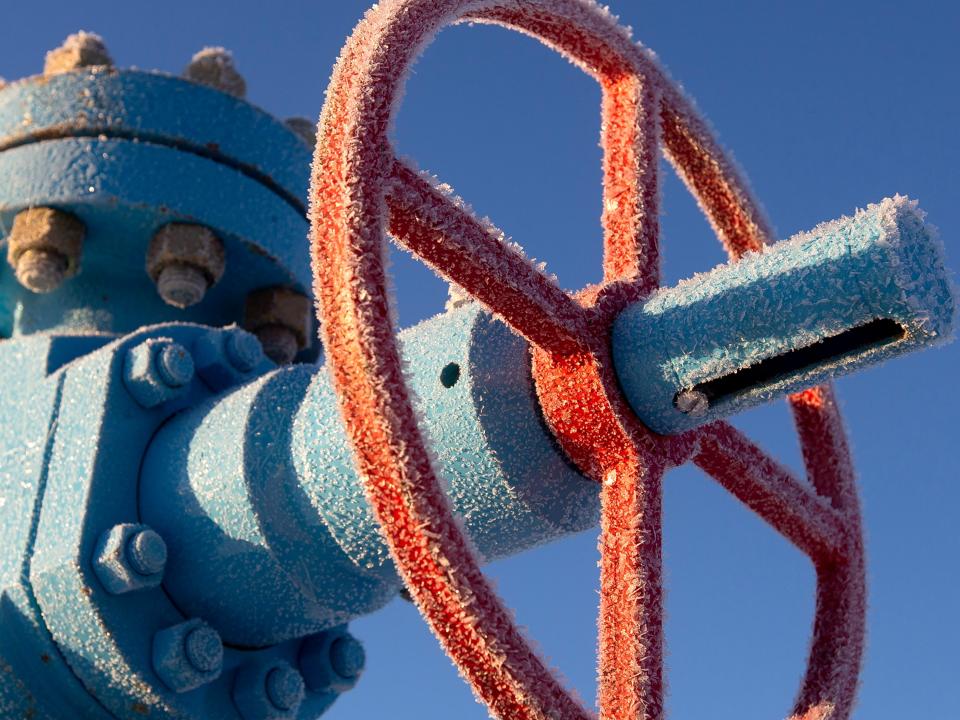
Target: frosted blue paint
70,647
881,263
245,472
161,109
256,489
35,681
124,191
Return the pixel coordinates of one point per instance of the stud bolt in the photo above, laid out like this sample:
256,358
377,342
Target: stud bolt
157,370
332,661
280,318
305,129
44,248
80,50
268,691
129,557
227,357
188,655
184,261
213,66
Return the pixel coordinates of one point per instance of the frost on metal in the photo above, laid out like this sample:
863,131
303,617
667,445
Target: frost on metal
214,66
82,49
825,303
360,189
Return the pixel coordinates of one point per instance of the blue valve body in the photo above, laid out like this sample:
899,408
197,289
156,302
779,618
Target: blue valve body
256,489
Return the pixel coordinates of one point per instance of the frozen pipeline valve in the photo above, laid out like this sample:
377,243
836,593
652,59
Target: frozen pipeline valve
848,294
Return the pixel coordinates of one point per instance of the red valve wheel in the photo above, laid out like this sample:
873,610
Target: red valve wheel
360,187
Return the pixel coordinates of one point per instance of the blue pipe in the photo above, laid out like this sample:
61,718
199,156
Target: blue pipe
256,490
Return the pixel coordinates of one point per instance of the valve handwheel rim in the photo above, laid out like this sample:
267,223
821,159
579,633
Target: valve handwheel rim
359,187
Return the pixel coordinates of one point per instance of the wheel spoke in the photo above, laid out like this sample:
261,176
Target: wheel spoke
446,236
712,178
770,490
631,602
630,141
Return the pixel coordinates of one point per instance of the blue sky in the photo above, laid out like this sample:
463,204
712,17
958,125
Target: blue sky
827,106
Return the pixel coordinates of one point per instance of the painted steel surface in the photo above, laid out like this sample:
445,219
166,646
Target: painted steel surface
186,533
794,315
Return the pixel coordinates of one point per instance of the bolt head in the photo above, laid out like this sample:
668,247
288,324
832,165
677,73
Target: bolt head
174,364
80,50
279,343
156,371
44,247
185,260
129,557
285,688
213,66
204,649
147,552
331,661
305,129
268,691
187,655
279,307
243,350
227,357
347,657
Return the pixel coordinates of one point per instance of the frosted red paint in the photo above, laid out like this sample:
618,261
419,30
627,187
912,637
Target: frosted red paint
359,188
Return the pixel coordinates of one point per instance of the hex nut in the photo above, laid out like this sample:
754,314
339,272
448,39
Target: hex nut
80,50
332,661
188,655
157,370
184,260
304,128
268,691
182,285
279,343
280,317
227,357
129,557
44,247
214,67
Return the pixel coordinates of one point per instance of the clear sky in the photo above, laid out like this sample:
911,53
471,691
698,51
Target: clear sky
828,106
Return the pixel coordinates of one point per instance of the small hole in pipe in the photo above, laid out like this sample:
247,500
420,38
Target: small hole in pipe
449,375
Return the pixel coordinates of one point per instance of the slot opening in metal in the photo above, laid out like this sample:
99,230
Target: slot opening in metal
875,333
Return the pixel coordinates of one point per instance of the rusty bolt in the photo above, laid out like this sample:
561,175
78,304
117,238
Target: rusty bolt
80,50
305,129
44,248
280,317
214,66
184,261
